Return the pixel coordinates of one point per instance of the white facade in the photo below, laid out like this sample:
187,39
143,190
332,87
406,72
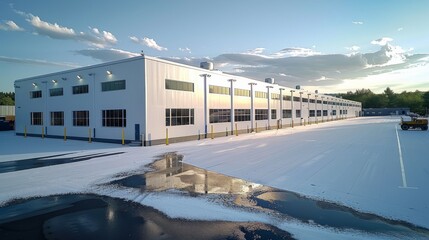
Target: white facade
162,98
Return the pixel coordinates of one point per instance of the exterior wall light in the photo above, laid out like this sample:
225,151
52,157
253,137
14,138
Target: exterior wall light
79,77
109,72
35,84
54,81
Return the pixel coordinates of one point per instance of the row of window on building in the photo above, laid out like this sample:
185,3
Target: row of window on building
82,89
110,118
241,115
188,86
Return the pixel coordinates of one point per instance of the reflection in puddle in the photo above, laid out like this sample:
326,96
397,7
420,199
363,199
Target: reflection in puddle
171,173
91,216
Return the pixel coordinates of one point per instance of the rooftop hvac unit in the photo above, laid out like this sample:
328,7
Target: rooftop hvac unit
269,80
206,65
298,87
317,91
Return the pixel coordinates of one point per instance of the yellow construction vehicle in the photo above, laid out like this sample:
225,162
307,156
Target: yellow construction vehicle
414,123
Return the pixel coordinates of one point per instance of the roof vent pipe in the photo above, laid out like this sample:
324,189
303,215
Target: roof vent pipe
206,65
269,80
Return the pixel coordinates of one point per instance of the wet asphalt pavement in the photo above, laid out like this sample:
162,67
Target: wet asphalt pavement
86,216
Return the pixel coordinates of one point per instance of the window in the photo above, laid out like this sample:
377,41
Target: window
242,115
325,112
319,113
304,99
241,92
275,96
344,111
261,114
113,85
273,113
312,101
298,113
179,85
219,90
179,116
334,112
80,118
311,113
296,99
220,115
287,98
36,118
81,89
287,113
325,102
114,118
57,118
319,101
36,94
55,92
259,94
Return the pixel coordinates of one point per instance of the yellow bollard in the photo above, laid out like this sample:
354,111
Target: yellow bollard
65,134
212,136
166,136
89,135
292,123
43,132
256,130
25,131
236,130
123,137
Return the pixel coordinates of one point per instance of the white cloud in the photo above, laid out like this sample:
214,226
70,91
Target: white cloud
357,22
353,48
312,68
295,52
49,29
381,41
149,42
256,51
400,29
93,37
107,55
10,26
186,49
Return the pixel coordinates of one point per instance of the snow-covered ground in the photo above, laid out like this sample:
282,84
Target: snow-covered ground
365,163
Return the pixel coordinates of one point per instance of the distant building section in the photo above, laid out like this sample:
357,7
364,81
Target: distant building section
7,118
7,111
385,111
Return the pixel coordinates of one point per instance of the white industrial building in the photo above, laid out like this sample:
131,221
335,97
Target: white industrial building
151,100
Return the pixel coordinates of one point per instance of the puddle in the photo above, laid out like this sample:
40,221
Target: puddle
86,216
171,173
91,216
12,166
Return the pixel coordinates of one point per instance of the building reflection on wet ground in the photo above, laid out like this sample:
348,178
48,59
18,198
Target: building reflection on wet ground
85,216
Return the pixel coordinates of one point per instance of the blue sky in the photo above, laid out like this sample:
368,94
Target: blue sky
332,46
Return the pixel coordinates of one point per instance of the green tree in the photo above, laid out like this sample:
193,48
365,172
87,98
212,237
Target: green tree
391,97
7,98
7,101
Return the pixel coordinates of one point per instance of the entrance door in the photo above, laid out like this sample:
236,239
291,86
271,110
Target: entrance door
137,132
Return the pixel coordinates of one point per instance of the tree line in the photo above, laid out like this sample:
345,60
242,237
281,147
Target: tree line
417,101
7,98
